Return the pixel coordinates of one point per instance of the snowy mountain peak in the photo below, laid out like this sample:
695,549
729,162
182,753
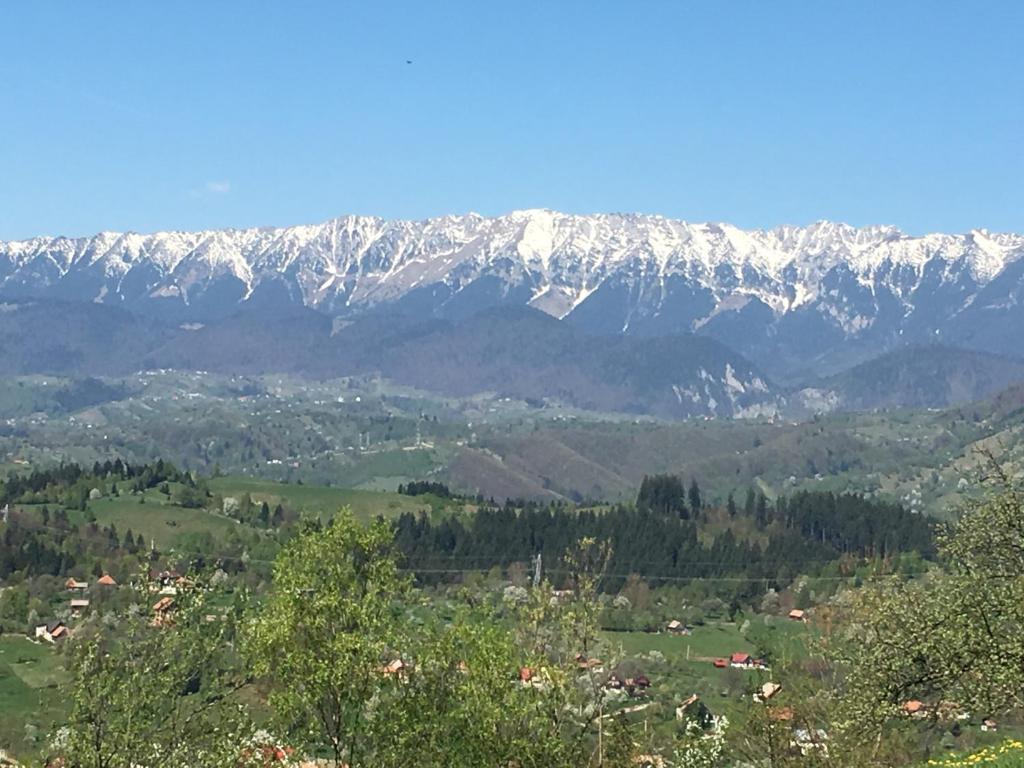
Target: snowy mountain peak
612,272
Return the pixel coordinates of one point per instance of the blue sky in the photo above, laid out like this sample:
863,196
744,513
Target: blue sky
148,116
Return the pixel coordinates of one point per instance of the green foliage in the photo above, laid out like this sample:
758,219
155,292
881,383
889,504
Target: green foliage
808,533
460,704
159,696
350,668
30,674
953,639
664,494
424,487
329,627
699,748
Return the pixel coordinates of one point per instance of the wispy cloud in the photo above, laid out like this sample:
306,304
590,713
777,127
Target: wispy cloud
221,187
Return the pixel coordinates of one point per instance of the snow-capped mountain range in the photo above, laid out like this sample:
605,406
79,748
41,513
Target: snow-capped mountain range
791,297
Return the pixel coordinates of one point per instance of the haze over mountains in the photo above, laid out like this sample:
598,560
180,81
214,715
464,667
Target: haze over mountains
630,313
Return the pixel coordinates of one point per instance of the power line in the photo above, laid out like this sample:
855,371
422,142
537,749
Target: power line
499,561
489,562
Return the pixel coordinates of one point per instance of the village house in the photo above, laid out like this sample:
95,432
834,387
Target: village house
78,606
166,582
532,678
767,691
693,710
746,661
915,708
798,615
636,686
781,715
162,611
106,580
677,627
52,632
395,668
685,705
74,585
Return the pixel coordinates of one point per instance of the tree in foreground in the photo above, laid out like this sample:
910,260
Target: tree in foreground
330,635
464,704
162,695
355,666
952,641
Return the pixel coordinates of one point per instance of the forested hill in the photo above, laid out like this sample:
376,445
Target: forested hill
669,533
766,543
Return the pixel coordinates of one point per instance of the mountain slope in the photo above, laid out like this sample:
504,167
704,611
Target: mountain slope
77,338
523,353
793,299
934,376
516,352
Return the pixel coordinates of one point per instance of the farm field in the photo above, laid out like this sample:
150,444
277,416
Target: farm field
374,436
318,499
681,665
30,703
157,520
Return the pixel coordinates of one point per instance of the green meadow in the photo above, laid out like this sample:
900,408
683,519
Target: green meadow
30,702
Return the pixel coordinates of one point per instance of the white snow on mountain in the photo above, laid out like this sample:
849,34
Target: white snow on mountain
563,261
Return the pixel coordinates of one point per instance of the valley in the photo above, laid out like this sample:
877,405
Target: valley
369,433
511,385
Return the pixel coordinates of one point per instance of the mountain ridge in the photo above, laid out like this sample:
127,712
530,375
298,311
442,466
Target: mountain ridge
815,298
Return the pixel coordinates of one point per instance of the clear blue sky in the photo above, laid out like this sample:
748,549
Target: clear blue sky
146,115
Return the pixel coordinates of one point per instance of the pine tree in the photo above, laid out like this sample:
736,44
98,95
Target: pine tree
748,505
696,503
762,511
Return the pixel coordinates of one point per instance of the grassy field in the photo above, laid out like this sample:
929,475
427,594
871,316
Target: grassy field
318,499
1008,753
157,519
30,703
716,639
711,640
687,666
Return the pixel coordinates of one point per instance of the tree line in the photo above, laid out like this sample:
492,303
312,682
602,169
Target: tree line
667,535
